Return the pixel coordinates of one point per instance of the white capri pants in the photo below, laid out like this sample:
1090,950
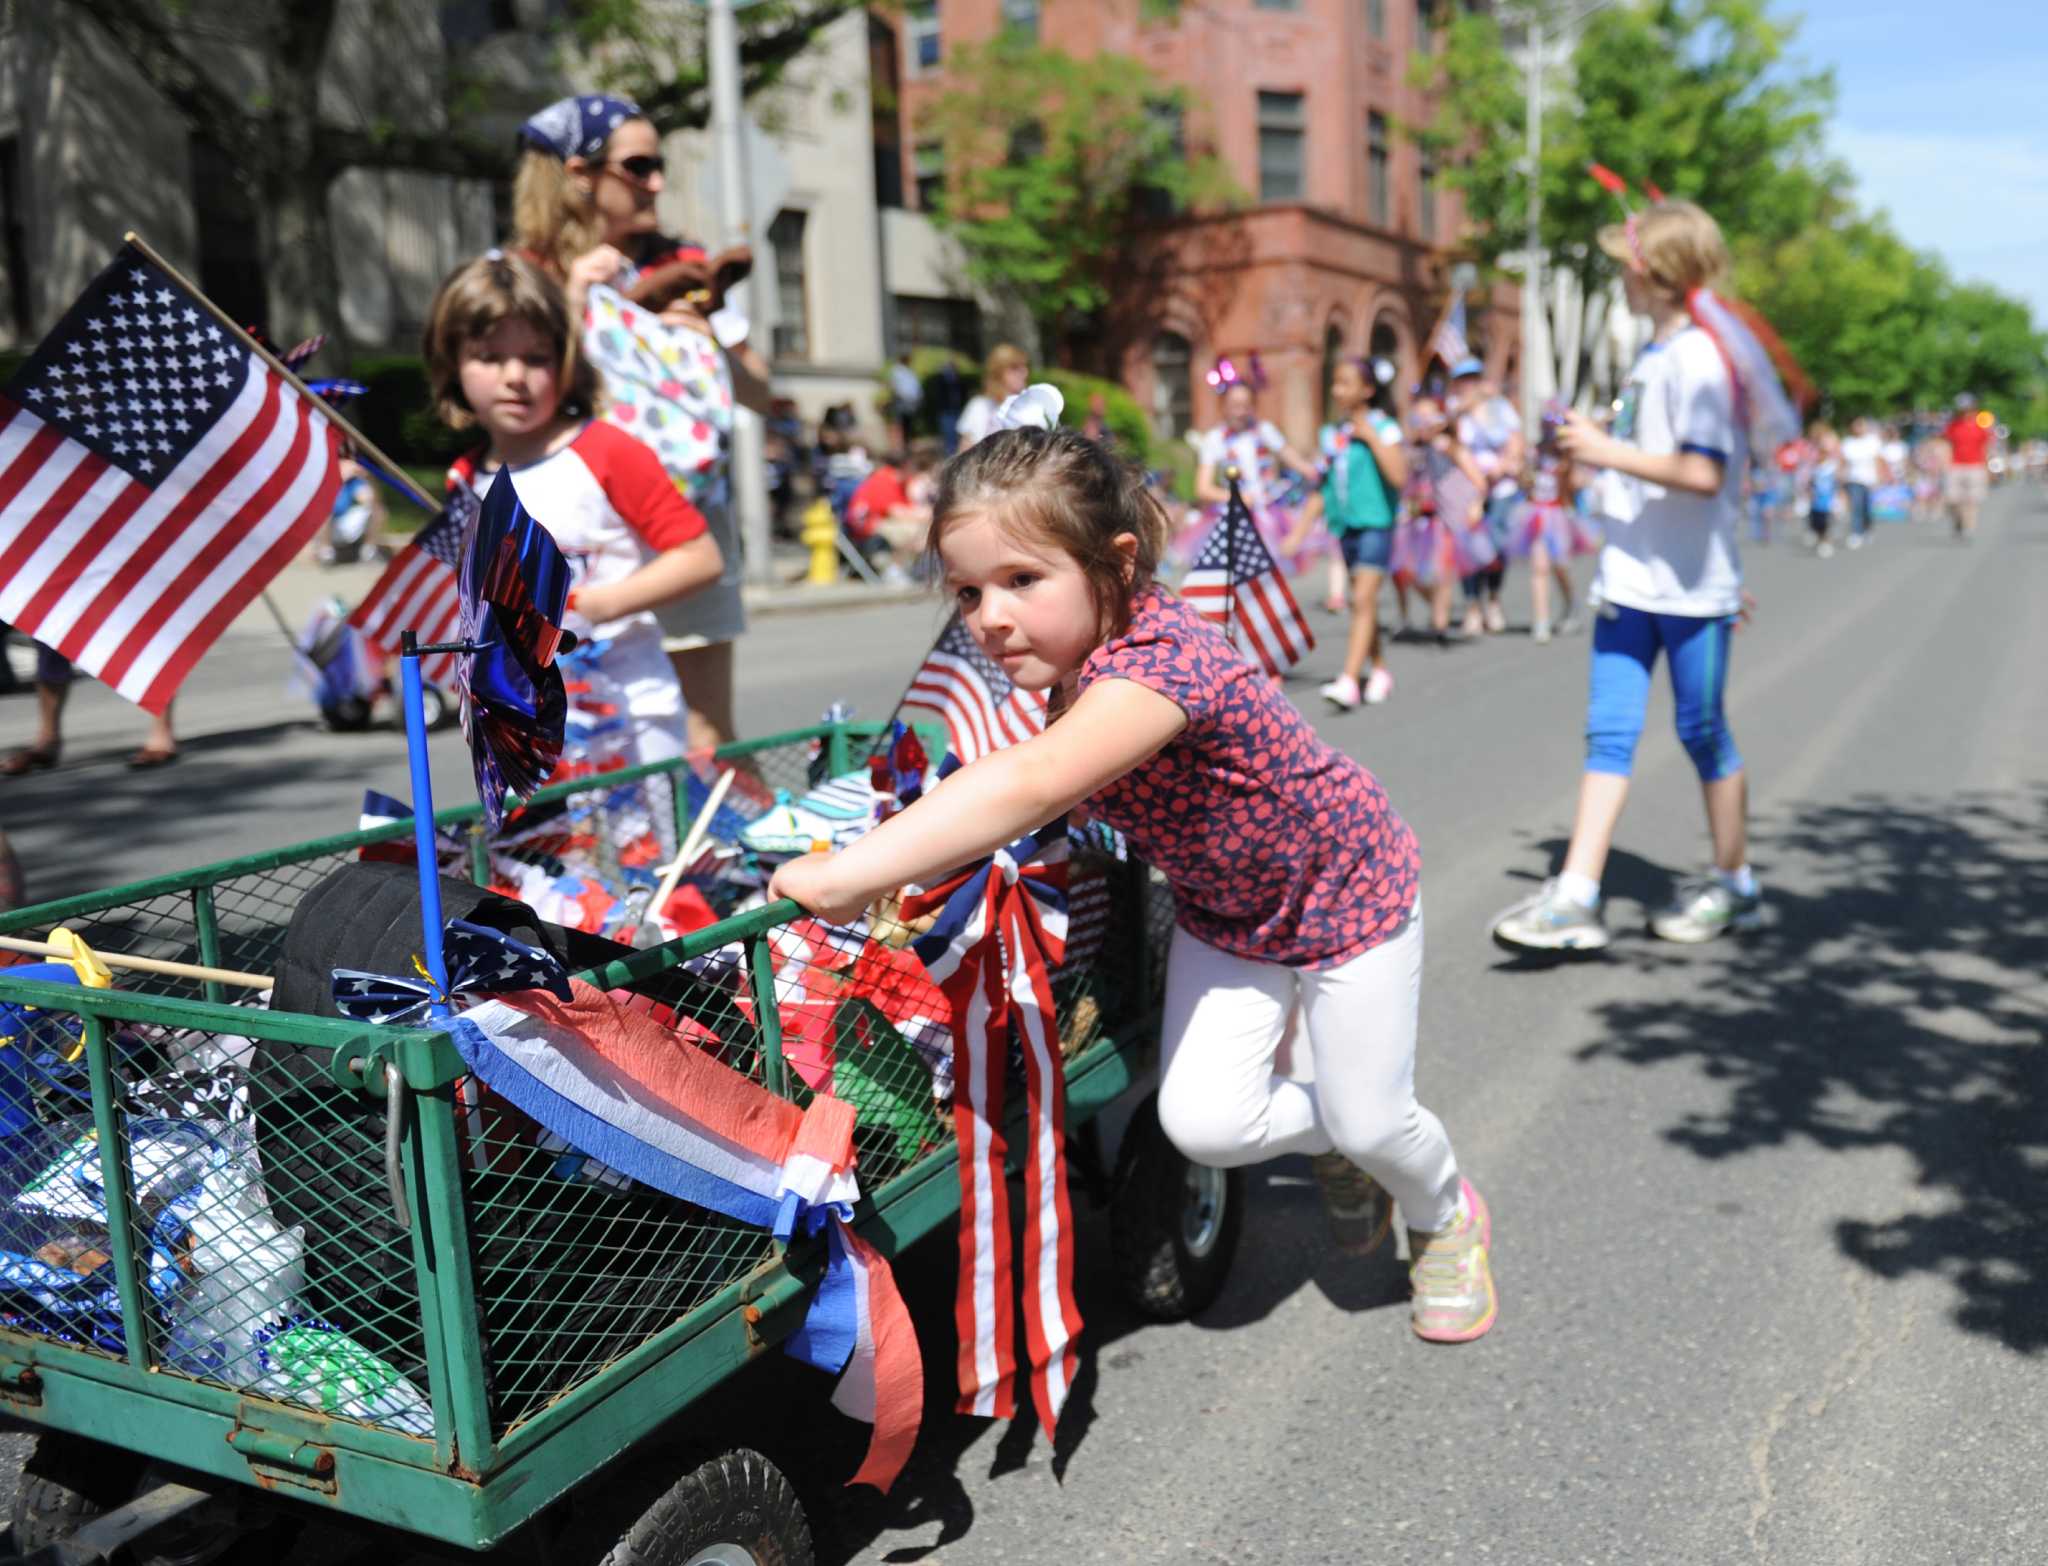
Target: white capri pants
1222,1103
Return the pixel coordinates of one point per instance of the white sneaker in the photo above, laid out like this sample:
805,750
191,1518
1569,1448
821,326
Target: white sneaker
1341,693
1379,685
1826,551
1539,633
1855,540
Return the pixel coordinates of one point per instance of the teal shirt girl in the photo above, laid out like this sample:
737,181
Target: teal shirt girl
1356,495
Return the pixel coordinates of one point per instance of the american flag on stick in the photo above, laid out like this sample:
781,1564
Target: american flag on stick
421,589
1235,584
965,687
1450,343
156,471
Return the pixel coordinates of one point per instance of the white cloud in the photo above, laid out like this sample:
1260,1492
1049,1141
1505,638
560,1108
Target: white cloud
1980,201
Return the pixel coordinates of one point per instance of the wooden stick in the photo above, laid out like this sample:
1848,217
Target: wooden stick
693,844
176,970
363,443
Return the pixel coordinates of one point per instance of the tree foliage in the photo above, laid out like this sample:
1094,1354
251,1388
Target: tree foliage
1058,173
1694,97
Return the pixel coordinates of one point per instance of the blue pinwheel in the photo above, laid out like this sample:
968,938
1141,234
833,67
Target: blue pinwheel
515,586
480,960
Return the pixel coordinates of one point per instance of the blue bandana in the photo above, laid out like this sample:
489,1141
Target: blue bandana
577,127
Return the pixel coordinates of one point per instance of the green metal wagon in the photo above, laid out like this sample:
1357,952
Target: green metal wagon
504,1321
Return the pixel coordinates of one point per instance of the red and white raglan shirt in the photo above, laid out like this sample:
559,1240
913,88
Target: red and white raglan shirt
608,503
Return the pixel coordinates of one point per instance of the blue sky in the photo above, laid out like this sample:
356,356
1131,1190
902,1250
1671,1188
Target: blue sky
1942,111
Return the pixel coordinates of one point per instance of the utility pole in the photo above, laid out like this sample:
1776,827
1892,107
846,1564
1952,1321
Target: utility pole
1532,252
749,478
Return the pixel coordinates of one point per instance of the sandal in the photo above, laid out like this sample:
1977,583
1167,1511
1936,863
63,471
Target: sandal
149,756
36,758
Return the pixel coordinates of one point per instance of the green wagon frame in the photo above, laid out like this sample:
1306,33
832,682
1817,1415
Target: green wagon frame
540,1363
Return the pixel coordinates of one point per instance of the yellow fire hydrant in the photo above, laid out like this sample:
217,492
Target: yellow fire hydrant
820,535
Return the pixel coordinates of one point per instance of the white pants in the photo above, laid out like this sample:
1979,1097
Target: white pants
1222,1102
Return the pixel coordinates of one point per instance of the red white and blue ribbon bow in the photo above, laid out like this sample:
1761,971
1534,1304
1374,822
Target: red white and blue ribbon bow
619,1087
1001,931
481,961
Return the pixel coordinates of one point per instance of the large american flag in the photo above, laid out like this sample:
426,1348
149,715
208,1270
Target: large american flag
421,590
155,474
982,710
1234,583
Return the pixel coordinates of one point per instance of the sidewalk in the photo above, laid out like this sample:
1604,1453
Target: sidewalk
302,585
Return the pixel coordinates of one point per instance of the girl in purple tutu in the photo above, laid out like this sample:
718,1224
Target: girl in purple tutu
1547,530
1273,477
1444,536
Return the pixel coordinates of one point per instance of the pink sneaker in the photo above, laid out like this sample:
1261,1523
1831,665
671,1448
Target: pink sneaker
1379,685
1452,1274
1341,693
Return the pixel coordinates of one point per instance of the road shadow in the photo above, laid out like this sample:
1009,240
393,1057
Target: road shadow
1896,1001
779,1406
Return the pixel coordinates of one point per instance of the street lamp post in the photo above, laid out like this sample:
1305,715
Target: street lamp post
748,475
1532,254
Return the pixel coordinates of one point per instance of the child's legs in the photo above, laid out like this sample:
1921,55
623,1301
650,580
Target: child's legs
1539,581
1220,1101
1625,644
1361,1027
1699,650
1365,553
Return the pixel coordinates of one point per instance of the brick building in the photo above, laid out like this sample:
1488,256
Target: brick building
1343,247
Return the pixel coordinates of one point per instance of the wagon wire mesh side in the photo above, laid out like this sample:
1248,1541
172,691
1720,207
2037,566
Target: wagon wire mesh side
569,1266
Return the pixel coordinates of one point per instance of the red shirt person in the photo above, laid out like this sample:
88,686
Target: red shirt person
1967,483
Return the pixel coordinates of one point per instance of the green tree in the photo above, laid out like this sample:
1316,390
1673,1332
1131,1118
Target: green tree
248,81
1061,176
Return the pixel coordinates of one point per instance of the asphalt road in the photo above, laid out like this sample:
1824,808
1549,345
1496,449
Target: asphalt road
1769,1214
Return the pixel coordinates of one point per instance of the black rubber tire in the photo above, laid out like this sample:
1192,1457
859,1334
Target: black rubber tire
322,1148
1162,1278
739,1499
66,1483
437,707
350,715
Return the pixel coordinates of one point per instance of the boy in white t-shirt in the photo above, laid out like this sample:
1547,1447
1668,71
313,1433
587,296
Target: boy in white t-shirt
1669,582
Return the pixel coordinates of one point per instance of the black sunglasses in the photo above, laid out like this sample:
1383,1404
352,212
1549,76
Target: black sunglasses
642,168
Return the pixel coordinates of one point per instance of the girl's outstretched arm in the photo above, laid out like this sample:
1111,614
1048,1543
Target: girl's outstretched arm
1116,725
672,574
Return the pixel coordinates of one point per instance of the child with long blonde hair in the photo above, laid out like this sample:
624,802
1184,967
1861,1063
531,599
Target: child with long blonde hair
1701,396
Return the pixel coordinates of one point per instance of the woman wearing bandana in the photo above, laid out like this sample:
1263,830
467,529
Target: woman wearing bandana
583,204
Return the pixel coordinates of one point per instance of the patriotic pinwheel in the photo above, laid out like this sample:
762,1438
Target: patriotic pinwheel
515,584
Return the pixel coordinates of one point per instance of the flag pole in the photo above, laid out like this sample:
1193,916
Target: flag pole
1232,510
362,442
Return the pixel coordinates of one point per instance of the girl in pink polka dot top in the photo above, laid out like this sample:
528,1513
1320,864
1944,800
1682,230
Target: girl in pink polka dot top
1297,884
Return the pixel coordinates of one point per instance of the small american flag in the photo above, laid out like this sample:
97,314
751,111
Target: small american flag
1451,344
1234,583
982,710
155,474
421,590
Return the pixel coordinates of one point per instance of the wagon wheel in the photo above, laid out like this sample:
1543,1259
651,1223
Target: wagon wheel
66,1483
735,1510
1174,1225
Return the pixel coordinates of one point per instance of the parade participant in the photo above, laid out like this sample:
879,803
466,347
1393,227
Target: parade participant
1862,472
1296,884
1442,538
1823,487
1490,429
1259,452
1546,529
53,688
501,355
1669,578
583,201
1005,374
1967,480
1364,469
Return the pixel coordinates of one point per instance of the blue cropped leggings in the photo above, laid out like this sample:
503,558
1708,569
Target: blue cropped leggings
1625,647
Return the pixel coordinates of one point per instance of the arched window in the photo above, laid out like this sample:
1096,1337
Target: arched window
1333,351
1173,391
